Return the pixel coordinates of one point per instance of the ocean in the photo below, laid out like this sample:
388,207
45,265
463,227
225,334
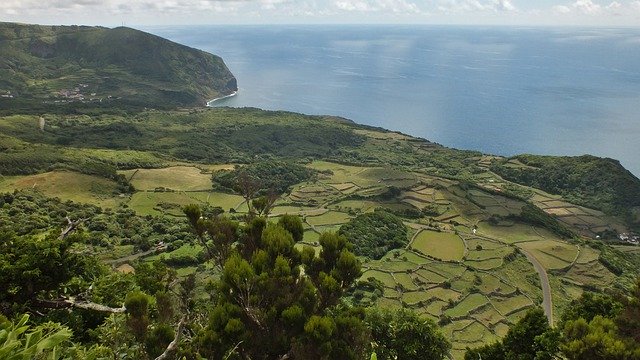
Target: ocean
499,90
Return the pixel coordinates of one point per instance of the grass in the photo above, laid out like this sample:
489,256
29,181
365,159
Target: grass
415,297
430,276
288,209
406,281
551,254
443,294
67,185
489,317
440,245
384,277
514,233
158,203
329,218
358,205
223,200
471,302
587,255
511,304
183,178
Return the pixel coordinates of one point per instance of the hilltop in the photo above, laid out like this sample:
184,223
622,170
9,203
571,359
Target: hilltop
69,67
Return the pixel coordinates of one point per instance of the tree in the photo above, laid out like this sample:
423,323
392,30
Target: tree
595,339
403,334
375,234
276,302
34,269
292,224
531,338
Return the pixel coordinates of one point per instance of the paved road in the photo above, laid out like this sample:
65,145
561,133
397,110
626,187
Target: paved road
547,304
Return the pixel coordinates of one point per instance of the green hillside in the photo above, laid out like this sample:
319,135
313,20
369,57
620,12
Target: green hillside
587,180
67,67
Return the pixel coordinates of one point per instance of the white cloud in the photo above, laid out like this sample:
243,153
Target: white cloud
504,5
353,5
614,6
635,5
561,9
587,7
456,6
393,6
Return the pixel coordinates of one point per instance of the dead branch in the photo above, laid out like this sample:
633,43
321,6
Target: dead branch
73,225
81,304
173,345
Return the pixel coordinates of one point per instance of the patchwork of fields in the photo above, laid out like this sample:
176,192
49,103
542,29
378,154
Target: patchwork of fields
461,267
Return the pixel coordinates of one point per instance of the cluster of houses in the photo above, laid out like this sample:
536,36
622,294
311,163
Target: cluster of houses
630,238
75,93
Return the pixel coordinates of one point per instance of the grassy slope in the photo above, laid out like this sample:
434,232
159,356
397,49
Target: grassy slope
138,68
590,181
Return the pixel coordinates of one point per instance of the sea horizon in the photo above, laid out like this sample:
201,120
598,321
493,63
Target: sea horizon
503,90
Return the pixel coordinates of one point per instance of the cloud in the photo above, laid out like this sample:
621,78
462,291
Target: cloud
393,6
457,6
635,5
504,5
561,9
587,7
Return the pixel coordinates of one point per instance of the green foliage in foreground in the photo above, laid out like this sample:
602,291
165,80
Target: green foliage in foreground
594,327
403,334
590,181
20,341
375,234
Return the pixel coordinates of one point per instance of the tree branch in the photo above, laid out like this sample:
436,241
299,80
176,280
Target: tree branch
173,345
73,225
81,304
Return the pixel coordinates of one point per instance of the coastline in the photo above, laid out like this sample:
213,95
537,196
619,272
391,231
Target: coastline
222,97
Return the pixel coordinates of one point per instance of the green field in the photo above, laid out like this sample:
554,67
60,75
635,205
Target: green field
440,245
67,185
329,218
551,254
183,178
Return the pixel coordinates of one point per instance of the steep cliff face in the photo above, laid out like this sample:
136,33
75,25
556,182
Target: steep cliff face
62,64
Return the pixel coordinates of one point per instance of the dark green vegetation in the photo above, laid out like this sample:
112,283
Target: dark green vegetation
375,234
268,176
71,68
589,181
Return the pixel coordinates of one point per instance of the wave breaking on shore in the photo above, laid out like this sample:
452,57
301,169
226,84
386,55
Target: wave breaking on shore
210,102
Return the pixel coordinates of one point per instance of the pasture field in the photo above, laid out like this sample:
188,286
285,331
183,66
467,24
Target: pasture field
587,255
159,203
223,200
328,218
67,185
514,232
440,245
181,178
551,254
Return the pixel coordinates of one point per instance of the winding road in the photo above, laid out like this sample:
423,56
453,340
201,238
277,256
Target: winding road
547,304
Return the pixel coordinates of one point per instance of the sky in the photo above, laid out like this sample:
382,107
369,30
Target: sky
209,12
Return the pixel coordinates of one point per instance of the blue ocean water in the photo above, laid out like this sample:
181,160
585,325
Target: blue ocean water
500,90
